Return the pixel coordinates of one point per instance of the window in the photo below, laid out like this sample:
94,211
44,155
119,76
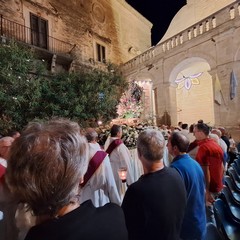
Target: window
39,30
101,53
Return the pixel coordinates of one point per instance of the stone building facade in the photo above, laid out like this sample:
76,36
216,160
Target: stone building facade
194,70
73,32
187,76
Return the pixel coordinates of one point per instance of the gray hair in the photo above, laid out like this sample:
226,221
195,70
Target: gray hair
91,134
46,164
151,144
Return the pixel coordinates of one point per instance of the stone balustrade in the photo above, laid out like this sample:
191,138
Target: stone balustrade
218,19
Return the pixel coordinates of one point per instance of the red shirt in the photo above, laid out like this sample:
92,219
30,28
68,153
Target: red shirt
211,154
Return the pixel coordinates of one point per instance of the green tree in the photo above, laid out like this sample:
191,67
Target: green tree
28,91
19,85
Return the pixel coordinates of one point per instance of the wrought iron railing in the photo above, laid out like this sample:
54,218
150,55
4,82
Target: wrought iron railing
21,33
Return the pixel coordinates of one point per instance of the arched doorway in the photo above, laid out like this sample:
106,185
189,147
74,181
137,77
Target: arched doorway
145,80
194,91
148,114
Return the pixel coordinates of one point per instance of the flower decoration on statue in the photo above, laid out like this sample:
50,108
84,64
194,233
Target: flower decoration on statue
188,81
131,105
129,137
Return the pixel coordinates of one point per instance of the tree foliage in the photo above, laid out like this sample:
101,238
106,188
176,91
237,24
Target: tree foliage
28,91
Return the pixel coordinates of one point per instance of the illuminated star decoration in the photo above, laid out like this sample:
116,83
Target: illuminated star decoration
187,82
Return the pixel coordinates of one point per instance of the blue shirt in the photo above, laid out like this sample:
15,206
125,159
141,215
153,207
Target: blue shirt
194,222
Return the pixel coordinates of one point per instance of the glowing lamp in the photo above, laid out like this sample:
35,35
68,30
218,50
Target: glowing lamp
122,173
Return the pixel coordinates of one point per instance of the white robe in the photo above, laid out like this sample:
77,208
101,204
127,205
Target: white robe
101,187
3,162
120,157
136,165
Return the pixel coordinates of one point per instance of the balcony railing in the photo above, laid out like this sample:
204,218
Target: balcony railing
214,21
21,33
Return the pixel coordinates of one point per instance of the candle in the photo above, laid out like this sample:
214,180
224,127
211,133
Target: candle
122,173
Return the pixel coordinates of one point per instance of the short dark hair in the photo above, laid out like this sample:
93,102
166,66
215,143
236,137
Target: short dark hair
115,129
202,127
179,140
191,128
179,123
184,126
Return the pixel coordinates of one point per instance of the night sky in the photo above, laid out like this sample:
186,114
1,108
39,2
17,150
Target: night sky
159,12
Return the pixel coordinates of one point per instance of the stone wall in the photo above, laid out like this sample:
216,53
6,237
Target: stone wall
113,24
210,46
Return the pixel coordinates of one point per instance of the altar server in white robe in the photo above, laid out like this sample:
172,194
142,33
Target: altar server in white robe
101,187
120,157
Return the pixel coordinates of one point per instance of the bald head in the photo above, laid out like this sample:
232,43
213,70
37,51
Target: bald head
217,132
215,137
223,130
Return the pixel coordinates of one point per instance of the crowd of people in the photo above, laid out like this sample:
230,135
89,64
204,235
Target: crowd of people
58,181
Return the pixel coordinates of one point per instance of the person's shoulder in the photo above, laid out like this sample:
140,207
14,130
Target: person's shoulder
110,205
189,164
138,188
206,144
122,145
203,142
106,160
173,172
110,209
173,177
168,169
106,210
191,160
179,163
112,221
